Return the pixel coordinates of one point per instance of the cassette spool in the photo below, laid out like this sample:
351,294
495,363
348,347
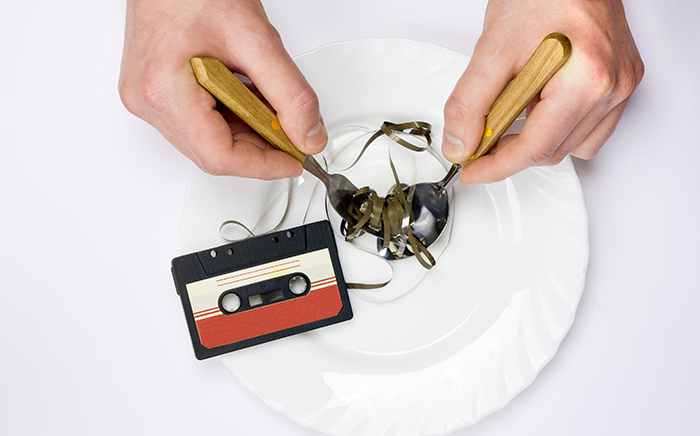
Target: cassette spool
261,289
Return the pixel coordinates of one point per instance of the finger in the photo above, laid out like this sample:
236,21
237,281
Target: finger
560,109
168,133
134,103
588,137
486,76
190,111
584,142
249,150
279,80
584,128
591,145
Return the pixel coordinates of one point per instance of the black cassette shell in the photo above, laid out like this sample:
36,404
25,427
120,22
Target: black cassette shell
260,271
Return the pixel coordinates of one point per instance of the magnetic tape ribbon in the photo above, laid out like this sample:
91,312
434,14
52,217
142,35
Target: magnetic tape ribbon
383,215
251,233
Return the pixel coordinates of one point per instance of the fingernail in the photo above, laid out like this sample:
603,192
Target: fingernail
317,137
452,146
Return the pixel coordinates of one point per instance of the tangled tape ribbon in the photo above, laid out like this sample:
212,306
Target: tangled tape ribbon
372,213
385,215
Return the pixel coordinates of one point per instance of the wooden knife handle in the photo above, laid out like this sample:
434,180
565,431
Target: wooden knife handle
549,56
222,84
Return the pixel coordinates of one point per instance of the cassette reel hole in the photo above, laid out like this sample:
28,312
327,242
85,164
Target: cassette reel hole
290,234
298,285
275,239
213,253
230,302
230,251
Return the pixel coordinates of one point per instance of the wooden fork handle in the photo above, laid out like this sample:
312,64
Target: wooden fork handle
549,56
222,84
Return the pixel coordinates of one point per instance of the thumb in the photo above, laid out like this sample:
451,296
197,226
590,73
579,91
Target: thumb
487,74
279,80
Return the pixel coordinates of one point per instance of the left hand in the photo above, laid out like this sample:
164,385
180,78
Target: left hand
577,110
157,84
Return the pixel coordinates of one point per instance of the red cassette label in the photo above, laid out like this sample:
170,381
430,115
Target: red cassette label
216,327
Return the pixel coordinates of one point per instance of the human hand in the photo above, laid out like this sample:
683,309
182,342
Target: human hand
157,84
577,110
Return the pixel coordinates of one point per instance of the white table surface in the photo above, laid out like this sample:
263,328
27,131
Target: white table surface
92,336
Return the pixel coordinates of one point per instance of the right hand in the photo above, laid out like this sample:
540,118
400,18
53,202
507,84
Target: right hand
577,110
157,84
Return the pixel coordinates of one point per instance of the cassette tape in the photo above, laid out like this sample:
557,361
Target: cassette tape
261,289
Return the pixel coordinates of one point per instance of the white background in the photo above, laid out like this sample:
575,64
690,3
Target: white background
92,336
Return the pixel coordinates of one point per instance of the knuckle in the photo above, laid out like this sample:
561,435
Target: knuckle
131,95
625,87
639,70
213,167
585,153
127,97
538,157
255,35
601,82
554,160
304,101
613,84
628,81
153,93
456,108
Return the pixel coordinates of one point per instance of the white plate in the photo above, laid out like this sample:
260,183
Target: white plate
469,336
